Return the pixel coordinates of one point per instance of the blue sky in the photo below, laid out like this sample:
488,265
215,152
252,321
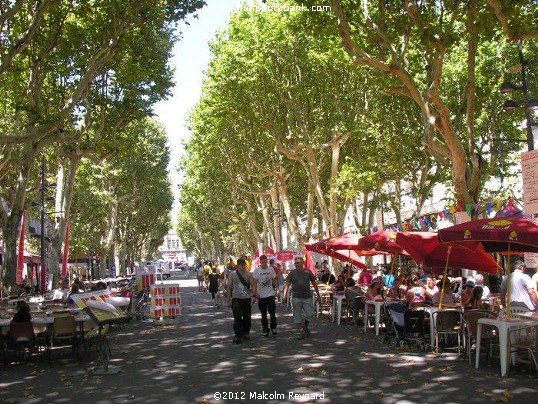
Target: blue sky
190,59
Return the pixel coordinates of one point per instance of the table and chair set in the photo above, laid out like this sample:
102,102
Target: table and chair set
451,326
52,327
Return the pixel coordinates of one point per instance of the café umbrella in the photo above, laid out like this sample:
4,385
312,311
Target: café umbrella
425,248
512,233
382,241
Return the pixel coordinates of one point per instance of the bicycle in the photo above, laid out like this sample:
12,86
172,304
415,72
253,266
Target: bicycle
142,306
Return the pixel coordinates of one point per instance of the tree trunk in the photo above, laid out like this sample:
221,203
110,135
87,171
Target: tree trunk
64,194
9,263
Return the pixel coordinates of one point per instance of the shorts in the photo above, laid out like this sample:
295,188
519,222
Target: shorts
301,307
200,278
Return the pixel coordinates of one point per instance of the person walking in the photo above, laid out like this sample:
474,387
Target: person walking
265,284
300,279
522,289
200,275
213,280
240,285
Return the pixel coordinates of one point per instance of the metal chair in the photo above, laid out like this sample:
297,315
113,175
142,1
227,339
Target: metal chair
448,322
470,319
21,338
64,334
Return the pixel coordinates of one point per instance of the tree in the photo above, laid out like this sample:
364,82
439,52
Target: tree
73,45
438,54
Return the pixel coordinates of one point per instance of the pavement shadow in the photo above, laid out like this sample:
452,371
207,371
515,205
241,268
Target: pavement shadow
194,361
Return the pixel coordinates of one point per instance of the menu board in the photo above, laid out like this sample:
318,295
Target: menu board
97,315
529,168
165,301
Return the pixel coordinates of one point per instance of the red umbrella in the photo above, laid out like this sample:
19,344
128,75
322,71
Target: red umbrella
383,241
347,241
514,234
425,248
508,231
346,255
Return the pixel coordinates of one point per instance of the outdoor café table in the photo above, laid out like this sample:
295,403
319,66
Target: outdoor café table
378,305
336,310
79,318
504,326
432,309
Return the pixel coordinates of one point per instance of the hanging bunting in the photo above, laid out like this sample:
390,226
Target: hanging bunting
468,208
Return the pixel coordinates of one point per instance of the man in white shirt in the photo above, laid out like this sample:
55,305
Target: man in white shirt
479,281
265,284
522,289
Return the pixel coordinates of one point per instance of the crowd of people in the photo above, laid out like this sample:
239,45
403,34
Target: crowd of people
267,284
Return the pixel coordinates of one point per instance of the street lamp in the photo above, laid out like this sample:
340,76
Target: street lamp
507,87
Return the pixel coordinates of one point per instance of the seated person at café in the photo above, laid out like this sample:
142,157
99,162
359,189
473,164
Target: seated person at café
61,292
388,279
352,292
327,277
415,293
431,289
467,292
339,285
23,313
448,296
373,293
75,288
475,302
365,278
479,281
396,292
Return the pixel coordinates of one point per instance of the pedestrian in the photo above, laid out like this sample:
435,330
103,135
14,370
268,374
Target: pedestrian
200,275
206,271
213,279
300,280
522,289
265,285
240,285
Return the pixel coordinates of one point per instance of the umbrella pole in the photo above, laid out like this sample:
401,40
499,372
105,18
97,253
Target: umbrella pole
508,267
444,277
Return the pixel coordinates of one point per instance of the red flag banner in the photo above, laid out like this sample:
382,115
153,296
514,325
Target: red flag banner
20,255
66,251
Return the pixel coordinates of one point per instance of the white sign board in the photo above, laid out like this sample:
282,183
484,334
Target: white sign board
531,260
462,217
529,168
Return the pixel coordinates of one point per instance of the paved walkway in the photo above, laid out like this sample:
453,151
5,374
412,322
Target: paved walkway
194,360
